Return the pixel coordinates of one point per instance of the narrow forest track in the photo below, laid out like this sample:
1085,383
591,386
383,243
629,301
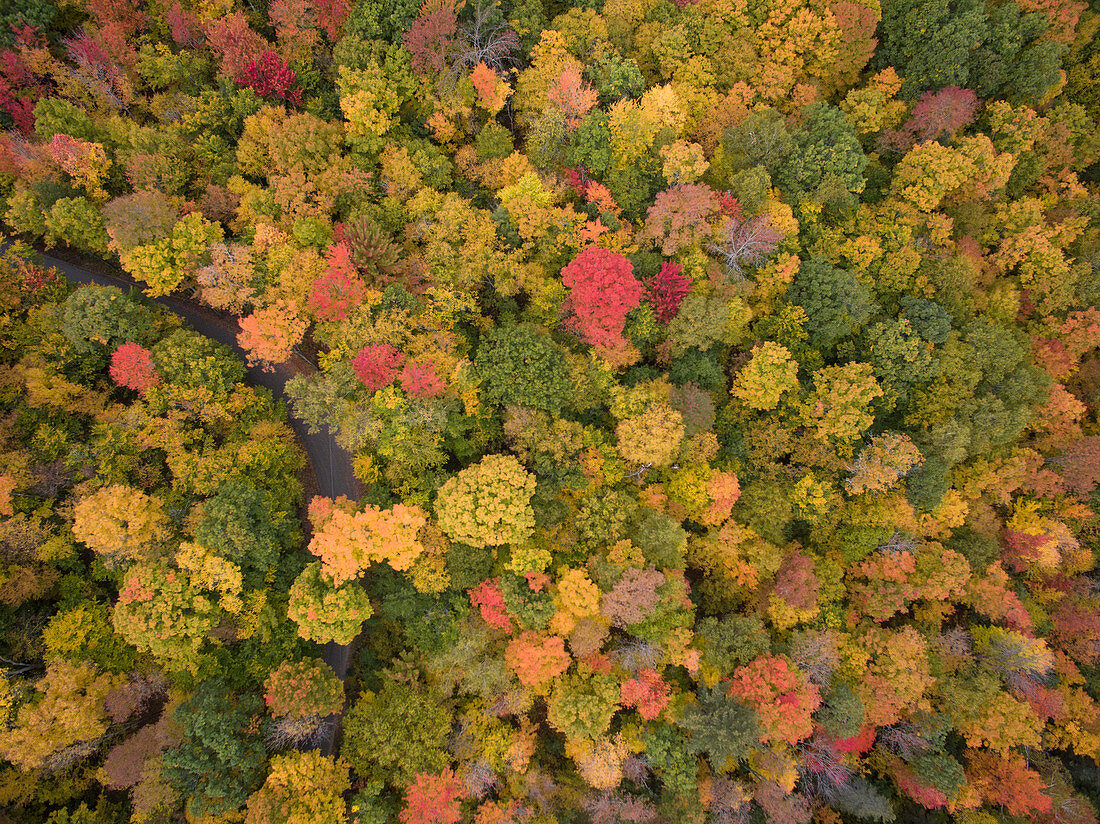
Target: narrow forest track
331,464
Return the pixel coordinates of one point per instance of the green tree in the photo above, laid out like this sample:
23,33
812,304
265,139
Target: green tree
99,319
241,525
836,303
524,367
190,360
826,161
395,734
722,728
220,760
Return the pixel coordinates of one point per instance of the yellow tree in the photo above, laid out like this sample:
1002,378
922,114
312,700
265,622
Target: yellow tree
840,408
488,504
63,722
651,438
301,788
770,374
122,524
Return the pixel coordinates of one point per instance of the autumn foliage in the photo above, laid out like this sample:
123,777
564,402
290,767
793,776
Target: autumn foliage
132,367
700,402
603,290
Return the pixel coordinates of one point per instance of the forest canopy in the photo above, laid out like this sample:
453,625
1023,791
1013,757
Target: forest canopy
721,380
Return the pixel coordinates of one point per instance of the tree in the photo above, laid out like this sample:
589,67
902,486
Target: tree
897,676
269,335
430,38
122,524
86,163
633,598
931,171
572,95
1006,780
581,708
394,735
536,660
841,406
349,542
242,524
132,368
236,44
522,367
377,365
303,688
164,264
269,76
826,160
666,290
837,304
158,612
220,759
76,222
769,375
488,503
942,112
433,799
651,438
102,318
745,242
996,52
492,92
324,612
881,463
421,379
301,788
64,723
781,694
339,289
300,694
189,360
603,291
899,355
679,217
647,692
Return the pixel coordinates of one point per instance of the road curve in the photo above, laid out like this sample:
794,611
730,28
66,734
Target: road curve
331,464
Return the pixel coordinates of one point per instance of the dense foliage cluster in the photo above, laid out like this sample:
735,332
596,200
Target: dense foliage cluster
149,535
722,378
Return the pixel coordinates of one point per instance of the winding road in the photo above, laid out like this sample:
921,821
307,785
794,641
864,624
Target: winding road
331,464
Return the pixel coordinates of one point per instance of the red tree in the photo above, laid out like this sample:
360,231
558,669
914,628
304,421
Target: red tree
339,288
237,45
487,598
269,76
943,111
572,95
1004,779
421,380
1076,627
433,799
1080,464
377,365
132,367
331,15
604,291
430,36
183,26
666,290
19,91
647,692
